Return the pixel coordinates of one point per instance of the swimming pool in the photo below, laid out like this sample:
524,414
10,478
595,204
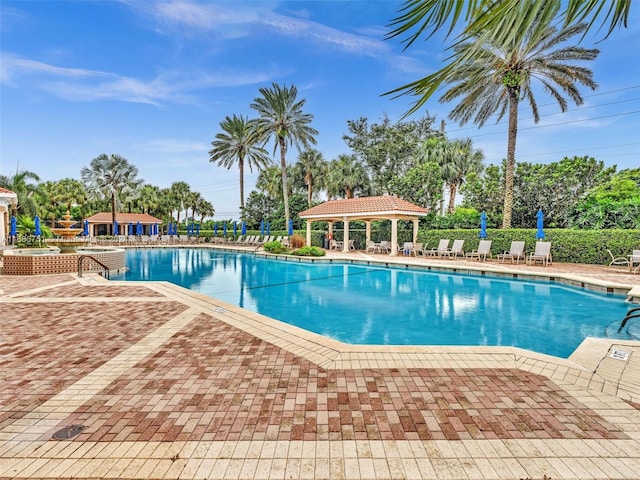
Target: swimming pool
361,304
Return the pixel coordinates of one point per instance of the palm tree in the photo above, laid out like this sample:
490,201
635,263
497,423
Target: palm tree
25,190
192,200
498,79
346,176
457,158
205,209
270,182
149,199
111,177
180,192
281,117
314,168
240,141
499,23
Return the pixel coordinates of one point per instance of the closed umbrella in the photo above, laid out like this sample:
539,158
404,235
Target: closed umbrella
130,229
170,228
290,227
235,228
540,232
38,231
215,229
115,228
483,225
85,232
139,228
13,231
224,229
155,228
261,227
244,228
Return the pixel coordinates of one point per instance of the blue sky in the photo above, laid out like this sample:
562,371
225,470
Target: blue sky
151,81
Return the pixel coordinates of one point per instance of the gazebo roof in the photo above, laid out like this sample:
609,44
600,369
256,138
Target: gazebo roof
105,217
364,208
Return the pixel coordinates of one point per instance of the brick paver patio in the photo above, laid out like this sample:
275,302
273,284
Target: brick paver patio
169,384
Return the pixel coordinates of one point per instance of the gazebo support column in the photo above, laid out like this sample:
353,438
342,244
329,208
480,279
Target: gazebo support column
309,232
368,229
345,246
394,237
416,226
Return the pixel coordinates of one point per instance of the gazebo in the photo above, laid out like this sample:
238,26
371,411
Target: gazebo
366,209
100,223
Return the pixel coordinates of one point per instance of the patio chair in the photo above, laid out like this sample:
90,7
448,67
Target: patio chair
634,259
456,249
442,249
515,253
542,253
371,247
385,246
407,248
618,260
484,249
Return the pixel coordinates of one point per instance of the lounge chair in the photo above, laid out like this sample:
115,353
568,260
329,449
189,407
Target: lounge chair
371,247
385,246
333,245
541,254
484,249
456,249
407,248
634,259
515,253
618,260
443,248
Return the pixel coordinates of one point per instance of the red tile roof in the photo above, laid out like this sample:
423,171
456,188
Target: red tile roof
105,217
4,190
365,206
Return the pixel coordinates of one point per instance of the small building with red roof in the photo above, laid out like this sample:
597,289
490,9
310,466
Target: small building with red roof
101,223
366,209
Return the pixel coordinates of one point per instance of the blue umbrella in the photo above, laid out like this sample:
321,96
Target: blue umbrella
115,228
261,227
85,232
224,229
483,225
540,232
198,229
244,228
215,229
14,227
235,228
130,229
155,228
268,228
139,228
37,231
170,229
290,227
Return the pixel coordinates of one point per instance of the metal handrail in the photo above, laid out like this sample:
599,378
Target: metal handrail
105,269
633,313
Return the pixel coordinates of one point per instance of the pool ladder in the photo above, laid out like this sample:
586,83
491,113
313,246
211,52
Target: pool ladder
633,313
105,270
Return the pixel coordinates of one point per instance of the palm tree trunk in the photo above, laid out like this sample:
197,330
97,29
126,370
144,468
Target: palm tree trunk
241,167
285,193
511,158
453,188
113,210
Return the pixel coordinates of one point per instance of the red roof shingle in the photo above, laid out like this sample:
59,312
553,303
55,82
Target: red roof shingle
105,217
364,206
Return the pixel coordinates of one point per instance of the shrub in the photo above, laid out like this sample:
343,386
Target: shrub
297,241
274,247
309,251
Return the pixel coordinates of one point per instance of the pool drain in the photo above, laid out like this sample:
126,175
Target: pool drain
68,432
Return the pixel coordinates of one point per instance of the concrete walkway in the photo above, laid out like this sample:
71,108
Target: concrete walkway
163,382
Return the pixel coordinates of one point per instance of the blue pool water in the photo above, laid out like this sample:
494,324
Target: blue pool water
391,306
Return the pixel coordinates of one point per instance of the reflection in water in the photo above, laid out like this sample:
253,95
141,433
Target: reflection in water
370,305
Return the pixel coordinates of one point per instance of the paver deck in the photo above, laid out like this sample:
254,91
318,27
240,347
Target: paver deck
167,383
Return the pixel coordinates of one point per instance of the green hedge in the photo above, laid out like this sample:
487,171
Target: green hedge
571,246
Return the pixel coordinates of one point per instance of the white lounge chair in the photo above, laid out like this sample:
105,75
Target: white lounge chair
541,254
484,249
617,260
515,253
441,250
456,249
634,259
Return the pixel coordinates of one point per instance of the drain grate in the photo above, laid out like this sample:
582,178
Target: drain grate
68,432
